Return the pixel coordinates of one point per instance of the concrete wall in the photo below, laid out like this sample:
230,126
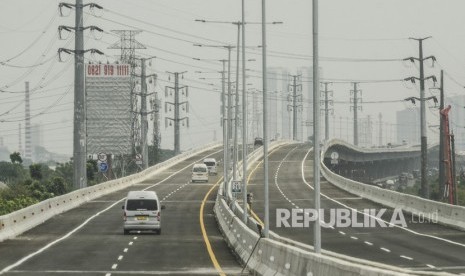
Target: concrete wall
22,220
450,215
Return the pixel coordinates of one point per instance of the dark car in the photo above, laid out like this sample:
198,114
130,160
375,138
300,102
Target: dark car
258,141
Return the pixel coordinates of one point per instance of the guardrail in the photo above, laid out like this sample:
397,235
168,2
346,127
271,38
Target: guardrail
281,256
22,220
450,215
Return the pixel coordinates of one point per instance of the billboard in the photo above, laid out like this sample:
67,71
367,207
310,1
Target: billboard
108,98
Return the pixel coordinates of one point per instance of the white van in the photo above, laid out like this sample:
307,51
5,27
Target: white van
142,211
199,173
211,165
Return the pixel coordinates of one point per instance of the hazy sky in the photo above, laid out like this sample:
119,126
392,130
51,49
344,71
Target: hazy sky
360,40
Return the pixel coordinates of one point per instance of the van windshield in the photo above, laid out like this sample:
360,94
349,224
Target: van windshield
209,164
200,169
141,205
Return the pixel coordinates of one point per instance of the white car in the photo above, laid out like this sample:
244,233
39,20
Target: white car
142,211
212,165
199,173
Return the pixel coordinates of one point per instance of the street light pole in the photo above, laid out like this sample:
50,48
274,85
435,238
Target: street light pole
236,105
265,124
244,122
316,129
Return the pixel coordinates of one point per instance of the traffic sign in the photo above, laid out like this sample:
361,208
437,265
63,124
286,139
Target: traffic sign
102,156
139,159
103,167
237,186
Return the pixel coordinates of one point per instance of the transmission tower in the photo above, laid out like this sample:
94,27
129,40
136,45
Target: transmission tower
355,106
28,145
326,110
128,45
80,131
155,103
295,97
176,105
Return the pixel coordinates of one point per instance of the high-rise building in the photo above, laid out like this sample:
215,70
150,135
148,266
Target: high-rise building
408,126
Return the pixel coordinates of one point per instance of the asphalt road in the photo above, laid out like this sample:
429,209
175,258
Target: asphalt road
419,246
89,240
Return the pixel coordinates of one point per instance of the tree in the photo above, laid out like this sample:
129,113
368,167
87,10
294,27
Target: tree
35,170
91,169
11,173
57,186
15,158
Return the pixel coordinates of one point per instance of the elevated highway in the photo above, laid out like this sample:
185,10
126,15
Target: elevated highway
424,246
89,240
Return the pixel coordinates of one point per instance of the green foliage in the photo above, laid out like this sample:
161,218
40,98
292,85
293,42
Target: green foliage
11,205
91,169
15,158
35,170
11,173
65,170
57,186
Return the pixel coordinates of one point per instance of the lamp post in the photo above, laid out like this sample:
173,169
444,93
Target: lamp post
244,102
227,125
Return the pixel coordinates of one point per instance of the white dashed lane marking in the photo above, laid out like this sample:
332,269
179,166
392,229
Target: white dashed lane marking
385,249
368,243
406,257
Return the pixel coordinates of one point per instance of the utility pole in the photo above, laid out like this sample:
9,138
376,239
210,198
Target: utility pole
326,109
295,98
155,103
143,112
442,159
424,191
176,105
80,133
355,100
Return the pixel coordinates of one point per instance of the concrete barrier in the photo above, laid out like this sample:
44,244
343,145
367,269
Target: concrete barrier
268,256
22,220
280,256
450,215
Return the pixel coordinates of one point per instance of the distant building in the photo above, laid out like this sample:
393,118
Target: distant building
408,126
1,141
36,136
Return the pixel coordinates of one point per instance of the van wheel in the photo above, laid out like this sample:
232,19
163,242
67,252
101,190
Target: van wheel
126,232
159,232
